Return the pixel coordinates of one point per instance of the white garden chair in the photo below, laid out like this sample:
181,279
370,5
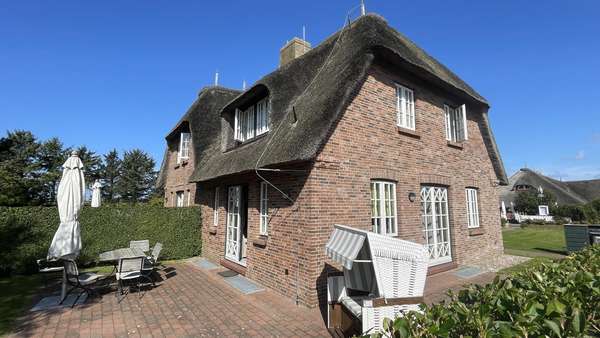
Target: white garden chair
382,277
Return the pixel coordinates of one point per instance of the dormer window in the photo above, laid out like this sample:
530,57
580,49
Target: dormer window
183,153
252,121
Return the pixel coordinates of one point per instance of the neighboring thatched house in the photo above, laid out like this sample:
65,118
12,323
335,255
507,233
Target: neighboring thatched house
565,193
366,130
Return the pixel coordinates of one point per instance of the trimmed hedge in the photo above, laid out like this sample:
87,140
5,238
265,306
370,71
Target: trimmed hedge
550,300
26,232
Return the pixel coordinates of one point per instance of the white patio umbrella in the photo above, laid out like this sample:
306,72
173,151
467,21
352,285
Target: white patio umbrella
503,214
96,197
71,191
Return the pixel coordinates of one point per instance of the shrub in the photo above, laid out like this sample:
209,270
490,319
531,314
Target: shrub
26,232
549,300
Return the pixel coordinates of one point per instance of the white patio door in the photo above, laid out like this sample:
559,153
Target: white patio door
232,242
436,224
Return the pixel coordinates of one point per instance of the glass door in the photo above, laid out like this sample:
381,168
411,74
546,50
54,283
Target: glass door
436,224
232,242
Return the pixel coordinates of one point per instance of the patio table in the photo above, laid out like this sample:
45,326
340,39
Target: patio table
115,255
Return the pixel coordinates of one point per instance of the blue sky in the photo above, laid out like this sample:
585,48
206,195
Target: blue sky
120,74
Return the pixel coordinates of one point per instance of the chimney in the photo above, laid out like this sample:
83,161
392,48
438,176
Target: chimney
293,49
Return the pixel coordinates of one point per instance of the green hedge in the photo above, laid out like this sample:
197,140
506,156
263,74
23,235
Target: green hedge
26,232
550,300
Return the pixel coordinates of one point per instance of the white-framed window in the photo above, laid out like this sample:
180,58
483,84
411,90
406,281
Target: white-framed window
456,123
543,210
264,209
383,208
183,153
189,198
405,107
216,208
252,122
472,208
179,199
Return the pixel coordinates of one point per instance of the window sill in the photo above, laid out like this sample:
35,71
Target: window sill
454,144
212,230
409,132
476,231
260,241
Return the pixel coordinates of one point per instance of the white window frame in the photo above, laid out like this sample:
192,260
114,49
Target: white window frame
189,198
545,208
456,123
384,219
405,107
264,209
472,208
251,122
216,208
179,197
183,152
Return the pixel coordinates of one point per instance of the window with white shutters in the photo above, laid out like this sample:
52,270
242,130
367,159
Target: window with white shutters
383,208
264,209
252,122
456,123
179,199
405,107
472,208
183,152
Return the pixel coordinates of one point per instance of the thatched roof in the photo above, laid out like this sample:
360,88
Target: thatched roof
308,94
201,119
574,192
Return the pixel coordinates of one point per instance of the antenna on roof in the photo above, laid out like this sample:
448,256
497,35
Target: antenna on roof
244,85
217,78
304,33
363,11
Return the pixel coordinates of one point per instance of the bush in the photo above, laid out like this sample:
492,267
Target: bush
549,300
26,232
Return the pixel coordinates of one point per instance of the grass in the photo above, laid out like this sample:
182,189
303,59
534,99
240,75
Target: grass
535,241
543,243
16,294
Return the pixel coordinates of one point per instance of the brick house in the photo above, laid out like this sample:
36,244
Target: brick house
365,130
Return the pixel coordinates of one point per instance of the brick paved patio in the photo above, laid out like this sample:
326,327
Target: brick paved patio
197,302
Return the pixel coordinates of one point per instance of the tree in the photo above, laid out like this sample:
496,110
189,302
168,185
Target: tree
18,168
50,157
137,176
110,173
91,163
527,202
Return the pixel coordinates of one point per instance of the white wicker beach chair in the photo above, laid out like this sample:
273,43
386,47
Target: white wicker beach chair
382,277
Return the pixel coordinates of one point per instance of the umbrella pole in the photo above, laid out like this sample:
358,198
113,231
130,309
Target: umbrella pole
63,289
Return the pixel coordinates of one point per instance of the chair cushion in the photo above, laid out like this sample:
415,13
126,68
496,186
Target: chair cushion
129,275
52,269
88,278
353,304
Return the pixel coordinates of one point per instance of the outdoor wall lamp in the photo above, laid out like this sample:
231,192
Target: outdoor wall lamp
412,196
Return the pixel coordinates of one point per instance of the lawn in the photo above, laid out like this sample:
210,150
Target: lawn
535,241
16,294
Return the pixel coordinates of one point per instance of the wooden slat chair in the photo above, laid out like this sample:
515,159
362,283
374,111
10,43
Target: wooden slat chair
382,278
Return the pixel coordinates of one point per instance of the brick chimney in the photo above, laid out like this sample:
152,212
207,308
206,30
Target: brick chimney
293,49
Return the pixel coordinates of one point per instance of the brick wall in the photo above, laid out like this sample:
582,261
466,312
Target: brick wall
365,145
177,178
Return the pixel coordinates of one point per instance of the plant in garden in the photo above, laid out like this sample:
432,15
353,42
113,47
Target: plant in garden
550,300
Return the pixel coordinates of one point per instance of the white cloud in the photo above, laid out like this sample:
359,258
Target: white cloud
575,173
580,155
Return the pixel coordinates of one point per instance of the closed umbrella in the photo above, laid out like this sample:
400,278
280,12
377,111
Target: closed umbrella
503,210
71,191
96,194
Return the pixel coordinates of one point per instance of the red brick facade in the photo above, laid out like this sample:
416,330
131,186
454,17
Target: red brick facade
366,144
178,175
